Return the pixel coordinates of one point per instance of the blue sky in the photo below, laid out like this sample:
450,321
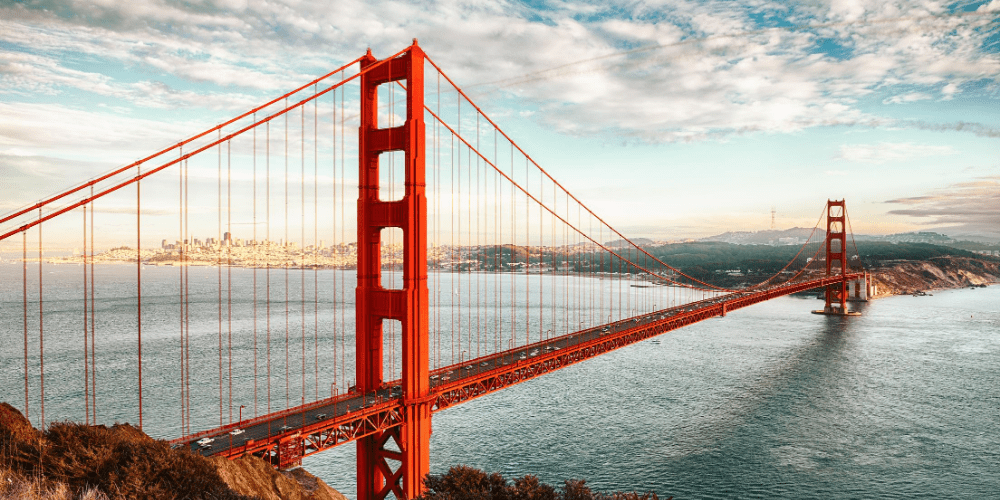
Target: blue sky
672,119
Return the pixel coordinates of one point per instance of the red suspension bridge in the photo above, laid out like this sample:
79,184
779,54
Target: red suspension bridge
464,268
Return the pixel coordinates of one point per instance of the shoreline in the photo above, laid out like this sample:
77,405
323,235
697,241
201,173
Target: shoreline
906,277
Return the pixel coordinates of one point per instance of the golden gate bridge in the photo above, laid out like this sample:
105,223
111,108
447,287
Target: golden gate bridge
475,270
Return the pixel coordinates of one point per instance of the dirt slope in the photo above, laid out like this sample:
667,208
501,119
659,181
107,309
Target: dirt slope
252,476
937,273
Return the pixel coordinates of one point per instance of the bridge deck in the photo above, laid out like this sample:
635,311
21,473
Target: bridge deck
287,436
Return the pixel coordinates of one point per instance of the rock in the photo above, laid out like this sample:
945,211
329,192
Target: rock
250,475
937,273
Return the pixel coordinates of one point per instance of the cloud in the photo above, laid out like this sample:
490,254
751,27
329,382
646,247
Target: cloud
39,176
663,71
889,152
26,129
969,207
908,97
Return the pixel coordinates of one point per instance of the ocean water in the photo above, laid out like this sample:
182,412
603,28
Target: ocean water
768,402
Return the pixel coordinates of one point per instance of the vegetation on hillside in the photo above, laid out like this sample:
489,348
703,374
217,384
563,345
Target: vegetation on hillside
717,263
468,483
71,460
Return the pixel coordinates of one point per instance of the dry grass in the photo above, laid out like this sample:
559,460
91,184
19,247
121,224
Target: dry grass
15,486
119,462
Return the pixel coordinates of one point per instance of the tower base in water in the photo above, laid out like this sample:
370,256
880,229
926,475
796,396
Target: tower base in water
836,312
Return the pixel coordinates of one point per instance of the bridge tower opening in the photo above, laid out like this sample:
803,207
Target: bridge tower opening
395,460
836,259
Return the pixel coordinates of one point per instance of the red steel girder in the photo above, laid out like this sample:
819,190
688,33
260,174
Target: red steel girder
471,387
287,448
383,420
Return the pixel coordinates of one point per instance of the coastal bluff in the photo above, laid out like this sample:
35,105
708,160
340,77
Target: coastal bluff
70,461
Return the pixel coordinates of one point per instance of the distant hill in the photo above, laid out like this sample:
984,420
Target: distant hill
798,236
624,244
793,236
915,237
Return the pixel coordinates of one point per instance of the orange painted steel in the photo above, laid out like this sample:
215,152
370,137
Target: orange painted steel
836,251
377,473
381,414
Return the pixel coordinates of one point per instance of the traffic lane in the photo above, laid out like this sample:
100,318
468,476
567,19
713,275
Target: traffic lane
264,430
297,421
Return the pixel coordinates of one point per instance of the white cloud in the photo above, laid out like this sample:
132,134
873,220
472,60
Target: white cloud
993,6
34,129
671,70
908,97
890,151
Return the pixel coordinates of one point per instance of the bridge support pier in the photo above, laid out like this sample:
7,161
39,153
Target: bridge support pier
395,460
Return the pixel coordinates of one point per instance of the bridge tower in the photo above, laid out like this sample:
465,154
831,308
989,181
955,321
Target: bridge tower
836,259
396,460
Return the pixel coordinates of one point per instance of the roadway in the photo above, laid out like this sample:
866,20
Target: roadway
333,421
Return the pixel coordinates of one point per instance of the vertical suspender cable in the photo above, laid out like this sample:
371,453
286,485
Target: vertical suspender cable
302,238
229,270
93,318
527,257
541,258
86,351
288,401
333,223
498,256
316,246
513,255
436,321
138,280
451,248
24,295
187,297
457,191
180,283
343,234
468,222
479,304
218,264
256,253
41,334
270,251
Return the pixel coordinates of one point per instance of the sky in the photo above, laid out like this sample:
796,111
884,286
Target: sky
671,119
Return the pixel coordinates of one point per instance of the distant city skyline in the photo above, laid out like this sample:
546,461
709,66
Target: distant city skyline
672,120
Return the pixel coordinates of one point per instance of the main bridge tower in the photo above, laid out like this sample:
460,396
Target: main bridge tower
836,260
395,460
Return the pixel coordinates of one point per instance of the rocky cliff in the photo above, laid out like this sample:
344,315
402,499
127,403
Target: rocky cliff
937,273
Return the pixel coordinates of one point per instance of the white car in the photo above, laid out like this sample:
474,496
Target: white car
236,432
205,442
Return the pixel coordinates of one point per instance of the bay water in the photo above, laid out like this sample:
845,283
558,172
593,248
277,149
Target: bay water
769,402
